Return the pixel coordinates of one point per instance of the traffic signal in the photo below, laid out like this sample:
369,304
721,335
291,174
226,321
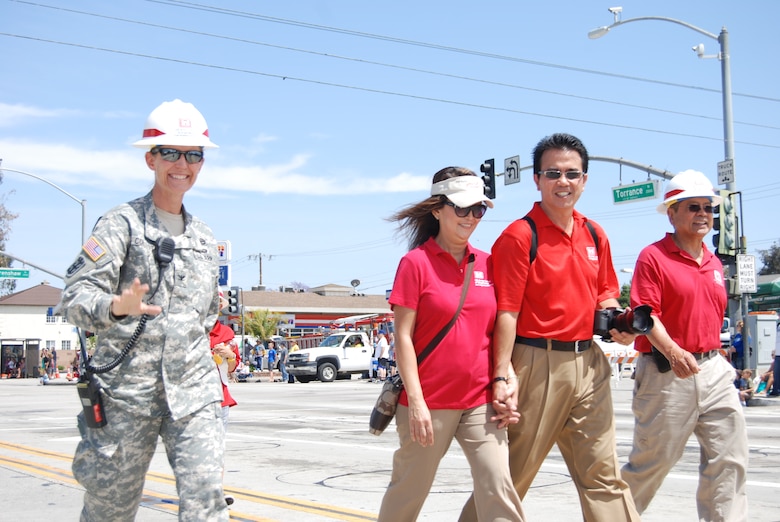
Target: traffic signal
232,299
489,177
725,222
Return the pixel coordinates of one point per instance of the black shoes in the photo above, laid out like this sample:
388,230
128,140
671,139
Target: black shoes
229,500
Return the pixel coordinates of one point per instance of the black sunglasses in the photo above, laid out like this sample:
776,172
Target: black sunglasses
476,210
695,208
555,174
173,155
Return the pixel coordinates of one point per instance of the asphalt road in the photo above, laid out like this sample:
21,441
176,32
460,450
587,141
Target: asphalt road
302,452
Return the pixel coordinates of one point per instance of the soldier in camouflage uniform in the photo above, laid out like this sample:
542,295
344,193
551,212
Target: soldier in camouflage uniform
166,385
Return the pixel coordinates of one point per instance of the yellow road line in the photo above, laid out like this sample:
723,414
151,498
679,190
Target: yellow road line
171,503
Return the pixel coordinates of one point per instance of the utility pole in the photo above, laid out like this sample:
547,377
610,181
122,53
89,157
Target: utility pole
259,286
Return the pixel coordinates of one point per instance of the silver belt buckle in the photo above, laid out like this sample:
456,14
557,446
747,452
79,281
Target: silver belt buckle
576,347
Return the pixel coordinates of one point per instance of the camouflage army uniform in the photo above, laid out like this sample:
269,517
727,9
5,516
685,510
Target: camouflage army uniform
166,385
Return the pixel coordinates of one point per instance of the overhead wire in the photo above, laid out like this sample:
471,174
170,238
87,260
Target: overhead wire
393,66
385,92
244,14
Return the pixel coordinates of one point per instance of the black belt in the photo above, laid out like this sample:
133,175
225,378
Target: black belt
697,355
561,346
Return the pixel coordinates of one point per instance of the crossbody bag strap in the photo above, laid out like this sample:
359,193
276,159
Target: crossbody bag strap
439,336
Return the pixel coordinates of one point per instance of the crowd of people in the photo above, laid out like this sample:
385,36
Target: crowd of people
488,354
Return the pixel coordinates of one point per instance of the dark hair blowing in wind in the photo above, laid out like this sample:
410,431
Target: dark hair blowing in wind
416,221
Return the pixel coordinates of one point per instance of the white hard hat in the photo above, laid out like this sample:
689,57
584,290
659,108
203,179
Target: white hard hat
688,184
175,123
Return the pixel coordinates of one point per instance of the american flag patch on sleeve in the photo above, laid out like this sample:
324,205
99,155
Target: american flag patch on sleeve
94,249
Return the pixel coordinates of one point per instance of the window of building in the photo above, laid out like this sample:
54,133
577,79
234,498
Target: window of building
51,345
65,345
51,319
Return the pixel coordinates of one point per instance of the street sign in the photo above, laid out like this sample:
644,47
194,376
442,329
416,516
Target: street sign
725,172
224,275
512,170
746,273
223,252
13,273
627,193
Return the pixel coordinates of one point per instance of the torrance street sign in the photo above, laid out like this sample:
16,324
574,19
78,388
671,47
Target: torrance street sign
646,190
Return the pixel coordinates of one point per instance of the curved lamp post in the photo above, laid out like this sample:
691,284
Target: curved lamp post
82,202
725,69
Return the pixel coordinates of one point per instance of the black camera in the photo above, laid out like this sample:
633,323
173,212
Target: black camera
636,321
91,400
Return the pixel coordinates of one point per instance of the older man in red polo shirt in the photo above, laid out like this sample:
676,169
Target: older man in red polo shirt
683,385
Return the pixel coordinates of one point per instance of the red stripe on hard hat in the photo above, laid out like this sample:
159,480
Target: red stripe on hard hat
673,193
152,133
206,133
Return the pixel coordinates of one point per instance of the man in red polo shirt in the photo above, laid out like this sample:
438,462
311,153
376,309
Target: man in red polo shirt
545,328
683,385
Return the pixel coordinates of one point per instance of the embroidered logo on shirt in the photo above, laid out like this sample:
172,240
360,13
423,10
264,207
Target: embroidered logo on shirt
94,249
718,275
593,253
479,279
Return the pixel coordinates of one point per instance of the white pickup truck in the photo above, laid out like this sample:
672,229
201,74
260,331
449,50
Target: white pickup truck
338,356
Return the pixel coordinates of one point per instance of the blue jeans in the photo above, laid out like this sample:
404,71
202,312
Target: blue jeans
283,369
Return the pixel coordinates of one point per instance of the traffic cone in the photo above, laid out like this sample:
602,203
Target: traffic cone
57,373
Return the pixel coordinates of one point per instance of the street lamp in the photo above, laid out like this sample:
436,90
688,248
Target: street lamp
725,69
82,202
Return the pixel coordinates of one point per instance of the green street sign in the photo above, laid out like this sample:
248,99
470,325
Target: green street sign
636,191
13,273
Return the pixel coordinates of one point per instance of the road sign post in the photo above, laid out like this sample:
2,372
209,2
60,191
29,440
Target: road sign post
746,274
726,172
512,170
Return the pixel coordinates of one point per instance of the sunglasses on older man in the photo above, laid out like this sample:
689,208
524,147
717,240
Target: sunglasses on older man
695,208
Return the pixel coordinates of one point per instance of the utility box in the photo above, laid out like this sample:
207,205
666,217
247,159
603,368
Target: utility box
762,331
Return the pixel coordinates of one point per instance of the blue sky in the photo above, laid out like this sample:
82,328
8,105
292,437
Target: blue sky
331,115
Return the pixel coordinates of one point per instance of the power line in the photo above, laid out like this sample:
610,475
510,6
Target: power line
384,92
361,34
401,67
394,66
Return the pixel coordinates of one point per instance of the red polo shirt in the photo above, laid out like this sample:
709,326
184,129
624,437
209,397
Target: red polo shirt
689,299
457,374
557,296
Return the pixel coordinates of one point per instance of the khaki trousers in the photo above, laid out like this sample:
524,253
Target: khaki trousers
565,399
667,411
485,448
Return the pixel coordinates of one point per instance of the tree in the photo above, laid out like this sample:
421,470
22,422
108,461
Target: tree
625,292
7,286
261,324
770,259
